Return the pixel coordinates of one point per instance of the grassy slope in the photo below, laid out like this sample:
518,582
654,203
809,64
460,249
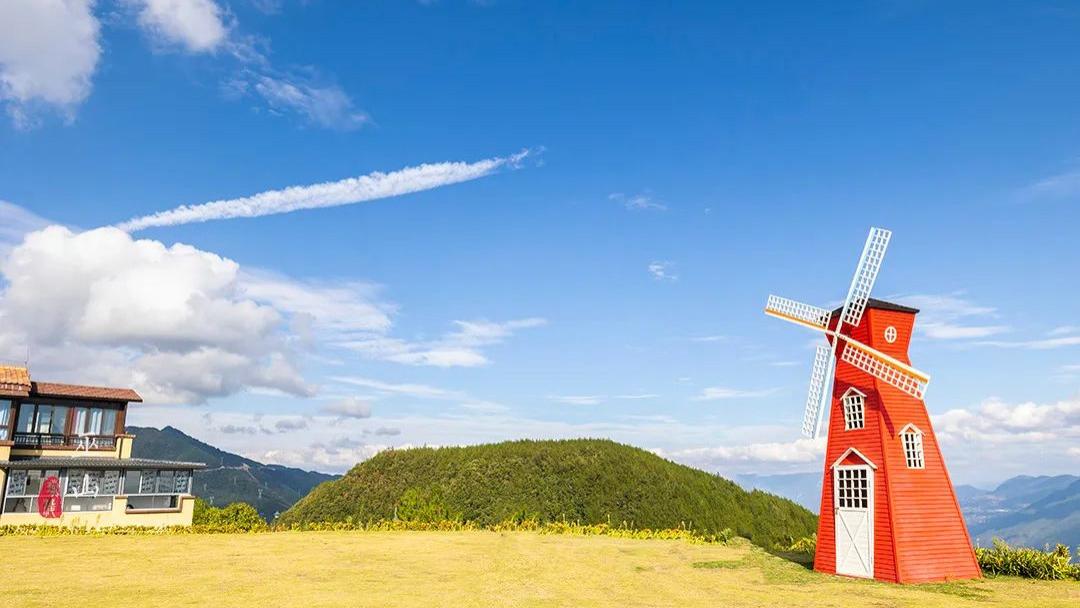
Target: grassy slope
323,569
228,477
585,480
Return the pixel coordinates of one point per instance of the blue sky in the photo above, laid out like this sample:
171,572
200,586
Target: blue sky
682,162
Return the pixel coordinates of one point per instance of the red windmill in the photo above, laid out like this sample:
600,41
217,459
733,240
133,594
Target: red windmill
888,509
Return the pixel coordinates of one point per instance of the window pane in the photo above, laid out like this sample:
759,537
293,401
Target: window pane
181,485
5,418
110,483
108,423
78,421
44,418
17,483
165,482
148,482
131,482
59,420
75,482
26,418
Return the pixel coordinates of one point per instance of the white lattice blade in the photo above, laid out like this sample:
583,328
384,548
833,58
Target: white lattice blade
819,384
865,275
796,312
884,367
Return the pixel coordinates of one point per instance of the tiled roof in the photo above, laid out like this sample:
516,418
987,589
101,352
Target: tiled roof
14,381
100,393
96,462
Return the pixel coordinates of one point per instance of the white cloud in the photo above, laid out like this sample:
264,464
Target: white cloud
15,223
1062,185
638,202
349,306
348,191
578,399
422,391
662,271
948,317
598,399
349,407
459,348
49,50
1039,344
171,321
715,338
995,421
198,26
798,452
326,106
717,393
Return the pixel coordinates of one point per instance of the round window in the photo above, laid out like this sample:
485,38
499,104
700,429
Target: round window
890,334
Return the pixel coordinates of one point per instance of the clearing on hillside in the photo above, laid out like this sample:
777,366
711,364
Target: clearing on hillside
323,569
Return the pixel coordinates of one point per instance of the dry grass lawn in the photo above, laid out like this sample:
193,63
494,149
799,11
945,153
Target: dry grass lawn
451,569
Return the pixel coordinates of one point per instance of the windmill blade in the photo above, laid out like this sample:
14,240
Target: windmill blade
796,312
865,275
820,387
884,367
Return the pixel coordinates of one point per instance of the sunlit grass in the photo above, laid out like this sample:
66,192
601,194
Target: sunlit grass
469,568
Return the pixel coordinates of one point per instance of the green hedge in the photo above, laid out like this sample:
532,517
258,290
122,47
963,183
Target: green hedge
1028,563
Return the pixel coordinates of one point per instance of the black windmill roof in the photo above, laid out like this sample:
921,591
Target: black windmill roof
883,305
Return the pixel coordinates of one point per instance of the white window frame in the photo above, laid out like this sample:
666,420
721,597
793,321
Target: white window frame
911,442
854,404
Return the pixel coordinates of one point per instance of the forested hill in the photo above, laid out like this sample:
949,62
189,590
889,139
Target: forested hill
585,480
228,477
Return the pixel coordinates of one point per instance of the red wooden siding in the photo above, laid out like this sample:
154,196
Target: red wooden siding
919,533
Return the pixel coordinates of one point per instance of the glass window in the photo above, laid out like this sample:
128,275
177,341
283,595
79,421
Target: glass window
148,482
854,414
152,502
913,448
23,488
88,503
107,426
75,480
5,418
110,483
25,423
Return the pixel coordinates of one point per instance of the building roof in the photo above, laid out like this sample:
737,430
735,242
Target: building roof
883,305
15,382
99,393
96,462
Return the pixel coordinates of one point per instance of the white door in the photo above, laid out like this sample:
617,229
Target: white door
853,503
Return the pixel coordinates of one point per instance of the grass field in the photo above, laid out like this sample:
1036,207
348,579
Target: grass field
452,569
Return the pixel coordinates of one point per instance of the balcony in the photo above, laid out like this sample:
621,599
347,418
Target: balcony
64,442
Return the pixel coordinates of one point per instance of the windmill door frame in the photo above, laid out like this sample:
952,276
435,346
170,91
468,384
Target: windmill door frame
853,519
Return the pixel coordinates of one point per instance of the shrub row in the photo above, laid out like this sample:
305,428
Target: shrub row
221,526
1028,563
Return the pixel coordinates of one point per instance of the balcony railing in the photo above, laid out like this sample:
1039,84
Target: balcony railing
65,442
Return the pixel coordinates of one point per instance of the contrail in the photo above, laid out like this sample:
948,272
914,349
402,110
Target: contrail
361,189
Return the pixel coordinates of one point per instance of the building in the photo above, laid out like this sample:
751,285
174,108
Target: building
66,460
888,509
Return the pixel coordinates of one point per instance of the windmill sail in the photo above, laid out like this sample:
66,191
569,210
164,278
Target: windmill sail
884,367
865,275
797,312
820,386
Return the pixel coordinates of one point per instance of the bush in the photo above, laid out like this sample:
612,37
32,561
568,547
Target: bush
806,545
1028,563
235,517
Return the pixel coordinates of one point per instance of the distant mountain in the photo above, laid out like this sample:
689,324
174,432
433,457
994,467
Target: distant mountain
1030,511
1024,510
228,477
803,488
584,480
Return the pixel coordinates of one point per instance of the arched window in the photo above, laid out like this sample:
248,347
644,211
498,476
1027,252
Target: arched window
854,410
912,440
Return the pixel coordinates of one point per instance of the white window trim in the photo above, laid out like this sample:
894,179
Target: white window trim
843,404
849,452
911,429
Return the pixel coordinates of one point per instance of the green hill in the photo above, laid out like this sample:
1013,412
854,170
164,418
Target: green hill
585,480
228,477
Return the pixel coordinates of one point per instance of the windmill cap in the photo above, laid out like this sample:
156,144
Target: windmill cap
883,305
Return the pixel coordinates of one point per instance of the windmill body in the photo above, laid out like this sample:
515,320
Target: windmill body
888,509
